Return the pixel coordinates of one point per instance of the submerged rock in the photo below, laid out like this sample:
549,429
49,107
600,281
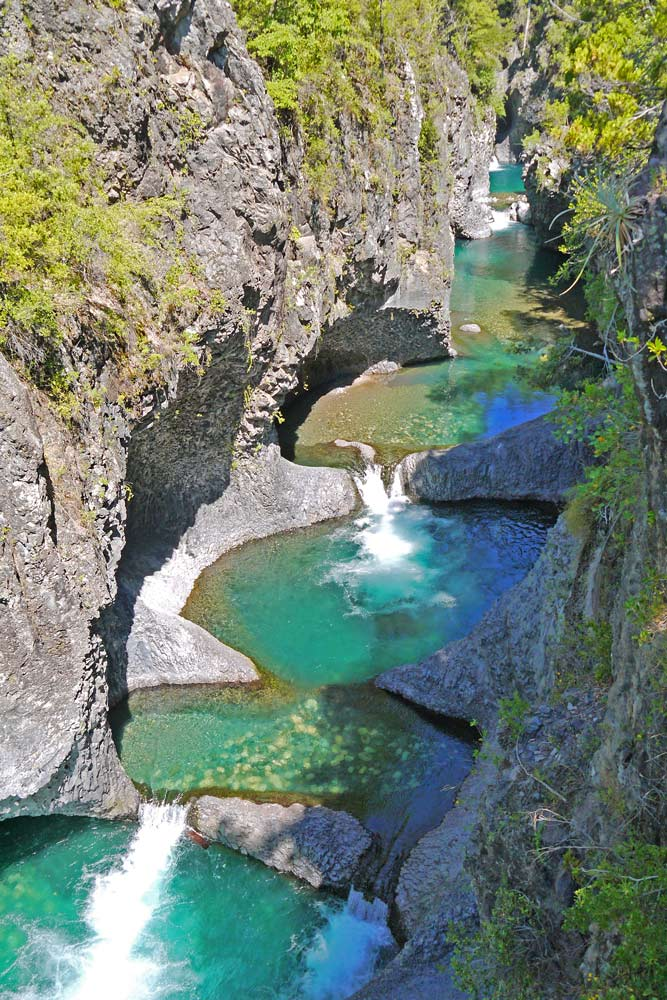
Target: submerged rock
324,847
381,368
470,328
365,450
523,463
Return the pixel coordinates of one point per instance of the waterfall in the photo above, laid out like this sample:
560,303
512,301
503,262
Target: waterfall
372,491
121,904
501,220
380,536
347,949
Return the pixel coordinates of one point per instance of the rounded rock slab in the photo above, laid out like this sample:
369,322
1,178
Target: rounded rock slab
327,848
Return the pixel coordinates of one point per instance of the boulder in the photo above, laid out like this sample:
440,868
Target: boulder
526,462
324,847
470,328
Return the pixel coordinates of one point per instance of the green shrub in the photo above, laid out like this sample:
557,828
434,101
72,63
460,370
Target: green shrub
512,713
625,898
609,60
496,962
66,253
607,417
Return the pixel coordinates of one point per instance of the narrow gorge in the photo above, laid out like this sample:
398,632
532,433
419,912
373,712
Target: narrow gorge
332,527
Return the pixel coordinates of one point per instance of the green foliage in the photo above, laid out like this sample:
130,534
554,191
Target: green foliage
191,129
606,416
428,141
603,224
625,898
67,256
611,66
647,609
326,60
496,962
512,712
480,38
586,653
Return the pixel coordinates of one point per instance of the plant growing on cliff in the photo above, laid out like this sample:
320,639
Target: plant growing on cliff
623,901
69,260
497,961
606,416
603,224
609,66
334,61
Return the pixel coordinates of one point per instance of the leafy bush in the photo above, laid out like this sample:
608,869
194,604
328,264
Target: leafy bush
606,416
496,962
610,61
67,255
625,898
512,713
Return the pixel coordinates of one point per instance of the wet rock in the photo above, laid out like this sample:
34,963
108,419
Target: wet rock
365,450
470,328
523,463
520,211
381,368
324,847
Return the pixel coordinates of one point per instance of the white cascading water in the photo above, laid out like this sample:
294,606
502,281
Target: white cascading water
347,949
501,220
380,537
120,907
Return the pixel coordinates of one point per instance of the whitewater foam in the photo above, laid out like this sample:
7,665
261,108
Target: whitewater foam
347,950
121,905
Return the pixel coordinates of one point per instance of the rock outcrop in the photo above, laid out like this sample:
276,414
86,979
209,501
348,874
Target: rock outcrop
526,462
327,848
511,646
56,749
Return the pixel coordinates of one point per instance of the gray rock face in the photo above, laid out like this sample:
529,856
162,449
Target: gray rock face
56,750
323,847
133,78
163,648
510,648
523,463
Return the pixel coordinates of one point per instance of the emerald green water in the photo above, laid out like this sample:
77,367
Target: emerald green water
507,179
225,926
112,911
351,747
502,285
339,603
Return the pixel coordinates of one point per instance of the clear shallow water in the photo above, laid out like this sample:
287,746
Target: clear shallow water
216,924
339,603
502,285
351,747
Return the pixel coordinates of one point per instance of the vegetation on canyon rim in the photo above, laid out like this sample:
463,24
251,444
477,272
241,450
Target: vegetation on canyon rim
327,59
70,258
